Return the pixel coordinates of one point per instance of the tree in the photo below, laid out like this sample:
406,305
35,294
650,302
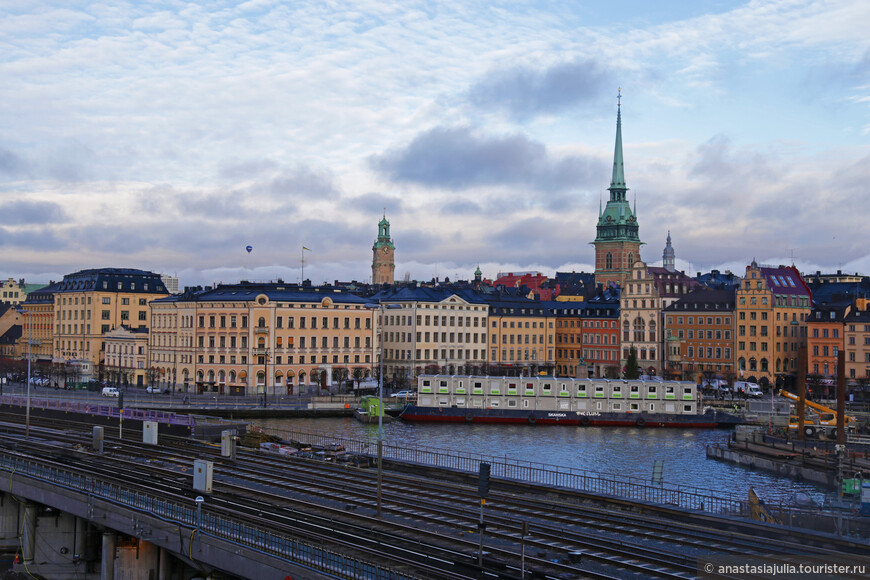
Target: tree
631,371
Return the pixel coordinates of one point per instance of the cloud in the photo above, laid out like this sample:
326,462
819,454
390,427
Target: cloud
375,203
32,212
459,158
524,91
11,164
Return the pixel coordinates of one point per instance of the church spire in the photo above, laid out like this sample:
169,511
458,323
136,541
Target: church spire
617,183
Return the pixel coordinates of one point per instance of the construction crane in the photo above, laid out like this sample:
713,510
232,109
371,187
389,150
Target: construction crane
822,419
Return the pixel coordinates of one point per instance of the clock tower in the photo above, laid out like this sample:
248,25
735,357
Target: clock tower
383,259
617,245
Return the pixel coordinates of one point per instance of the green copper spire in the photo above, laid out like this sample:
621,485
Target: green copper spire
617,183
617,221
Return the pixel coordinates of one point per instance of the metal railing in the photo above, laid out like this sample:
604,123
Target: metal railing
281,545
112,411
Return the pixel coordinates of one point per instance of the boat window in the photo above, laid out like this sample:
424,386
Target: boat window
598,405
652,389
669,390
526,404
443,402
617,406
476,403
546,387
652,406
512,385
460,401
443,383
425,382
687,408
634,388
634,407
687,391
599,389
617,388
478,385
512,403
493,403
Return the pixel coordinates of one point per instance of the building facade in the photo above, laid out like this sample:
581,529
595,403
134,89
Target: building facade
772,306
262,339
383,255
640,313
857,343
522,336
126,357
617,244
699,336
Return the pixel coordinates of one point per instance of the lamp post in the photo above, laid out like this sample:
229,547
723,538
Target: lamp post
381,306
27,313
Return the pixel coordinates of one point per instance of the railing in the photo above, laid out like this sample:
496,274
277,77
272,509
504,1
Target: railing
98,409
281,545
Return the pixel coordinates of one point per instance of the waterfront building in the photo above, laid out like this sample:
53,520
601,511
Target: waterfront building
522,335
262,339
857,342
90,303
669,256
600,337
772,307
432,330
825,340
699,335
39,322
570,361
640,311
383,255
126,358
617,244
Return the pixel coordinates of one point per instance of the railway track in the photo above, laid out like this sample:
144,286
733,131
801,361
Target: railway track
429,527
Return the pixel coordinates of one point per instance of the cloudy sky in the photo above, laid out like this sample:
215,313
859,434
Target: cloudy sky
169,135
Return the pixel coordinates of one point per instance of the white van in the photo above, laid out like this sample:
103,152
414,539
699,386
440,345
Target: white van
748,389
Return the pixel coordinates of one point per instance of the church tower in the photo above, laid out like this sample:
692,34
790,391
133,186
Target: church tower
383,259
669,256
617,245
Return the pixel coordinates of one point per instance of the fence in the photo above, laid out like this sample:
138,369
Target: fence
111,411
280,545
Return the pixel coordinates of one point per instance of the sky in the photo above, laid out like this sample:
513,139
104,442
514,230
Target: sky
169,136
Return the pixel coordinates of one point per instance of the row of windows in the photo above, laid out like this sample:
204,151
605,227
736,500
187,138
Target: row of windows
719,320
710,351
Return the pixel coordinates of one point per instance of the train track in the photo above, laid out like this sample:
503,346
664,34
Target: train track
429,528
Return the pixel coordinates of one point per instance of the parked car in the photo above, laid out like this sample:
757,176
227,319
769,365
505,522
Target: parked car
110,392
154,389
404,394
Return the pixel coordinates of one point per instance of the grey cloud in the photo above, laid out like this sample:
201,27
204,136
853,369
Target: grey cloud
32,238
525,91
459,158
531,241
375,203
32,212
71,161
303,181
11,164
462,207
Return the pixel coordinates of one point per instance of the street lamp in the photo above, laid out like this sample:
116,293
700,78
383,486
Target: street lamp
381,306
29,344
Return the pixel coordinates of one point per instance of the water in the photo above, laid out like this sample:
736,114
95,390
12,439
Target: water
625,451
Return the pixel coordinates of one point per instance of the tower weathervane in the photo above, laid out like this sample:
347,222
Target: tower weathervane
619,97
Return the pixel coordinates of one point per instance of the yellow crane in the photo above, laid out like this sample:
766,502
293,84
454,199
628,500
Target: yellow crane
821,419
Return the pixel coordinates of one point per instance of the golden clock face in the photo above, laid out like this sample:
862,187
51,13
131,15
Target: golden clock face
385,250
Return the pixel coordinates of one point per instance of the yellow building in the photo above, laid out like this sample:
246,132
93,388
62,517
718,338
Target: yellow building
12,292
383,255
254,339
89,304
126,356
522,336
772,306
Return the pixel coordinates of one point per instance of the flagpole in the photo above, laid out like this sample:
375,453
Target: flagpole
303,264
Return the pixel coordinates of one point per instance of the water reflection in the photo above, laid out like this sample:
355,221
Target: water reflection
626,451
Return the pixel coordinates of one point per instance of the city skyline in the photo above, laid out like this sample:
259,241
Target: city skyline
170,138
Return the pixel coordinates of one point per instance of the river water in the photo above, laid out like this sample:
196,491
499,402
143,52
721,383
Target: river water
625,451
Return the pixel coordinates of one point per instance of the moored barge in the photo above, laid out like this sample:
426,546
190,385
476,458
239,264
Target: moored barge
562,401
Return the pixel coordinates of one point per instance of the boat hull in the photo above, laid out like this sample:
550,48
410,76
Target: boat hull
709,420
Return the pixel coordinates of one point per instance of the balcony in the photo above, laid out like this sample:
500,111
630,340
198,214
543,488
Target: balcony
259,351
261,330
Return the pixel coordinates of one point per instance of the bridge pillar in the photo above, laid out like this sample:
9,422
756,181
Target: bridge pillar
9,525
164,571
28,532
81,531
107,564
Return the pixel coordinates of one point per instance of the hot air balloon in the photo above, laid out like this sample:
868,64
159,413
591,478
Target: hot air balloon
249,248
